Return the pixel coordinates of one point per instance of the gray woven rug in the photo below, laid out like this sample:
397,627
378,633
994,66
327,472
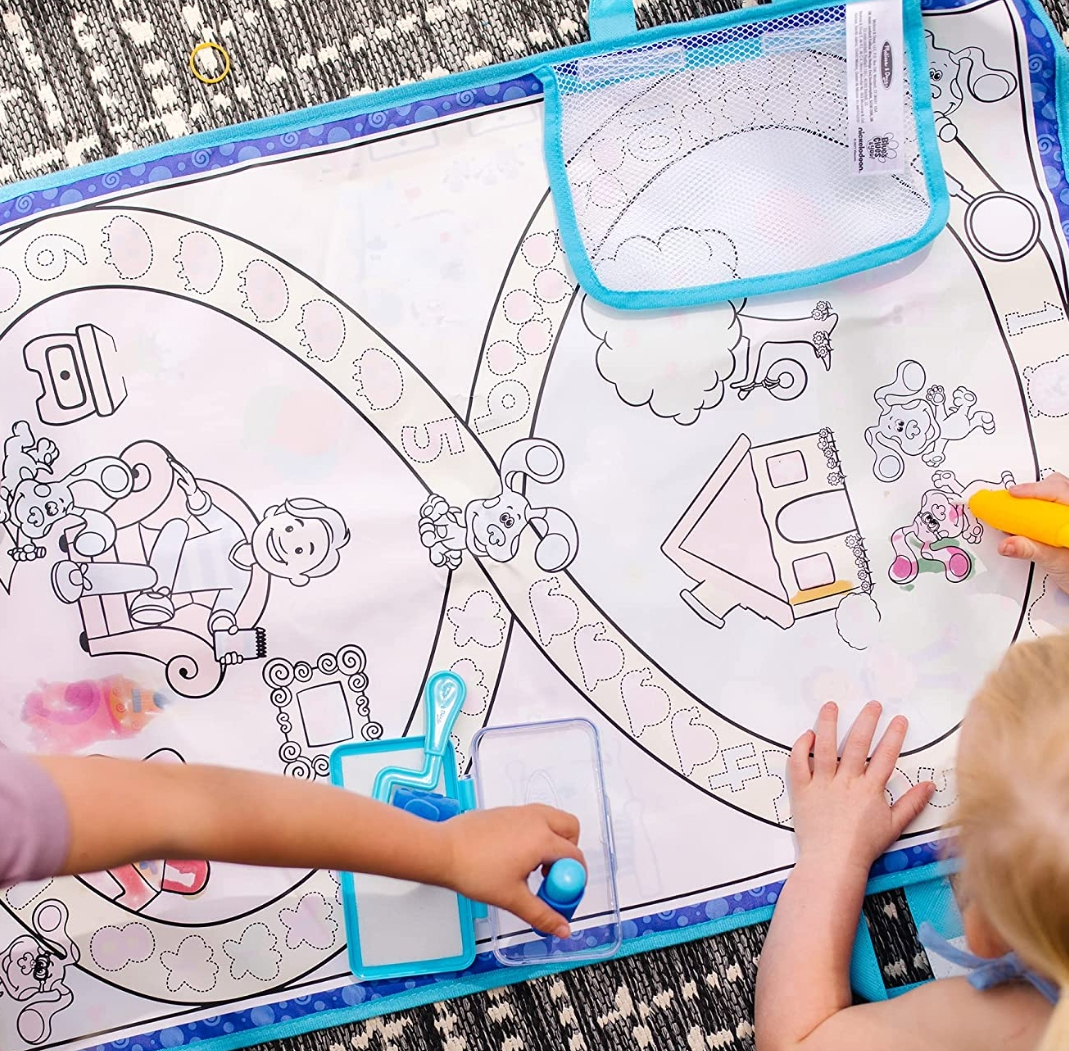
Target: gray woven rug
85,79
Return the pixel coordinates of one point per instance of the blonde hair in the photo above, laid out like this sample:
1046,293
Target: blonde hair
1013,811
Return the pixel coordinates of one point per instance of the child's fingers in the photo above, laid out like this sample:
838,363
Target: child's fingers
560,847
885,754
798,770
1051,559
825,748
907,807
557,847
534,911
562,823
1021,547
859,740
1054,487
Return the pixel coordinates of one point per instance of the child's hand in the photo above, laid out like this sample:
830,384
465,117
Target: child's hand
492,852
841,813
1052,560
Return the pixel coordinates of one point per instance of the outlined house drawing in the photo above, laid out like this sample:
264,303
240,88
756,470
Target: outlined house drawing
773,531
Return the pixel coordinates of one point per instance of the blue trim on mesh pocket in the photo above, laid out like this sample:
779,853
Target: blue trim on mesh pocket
934,180
611,19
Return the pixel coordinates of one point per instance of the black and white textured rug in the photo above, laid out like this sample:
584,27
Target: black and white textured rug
692,997
85,79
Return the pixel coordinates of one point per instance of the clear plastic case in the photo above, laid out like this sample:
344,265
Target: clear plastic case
559,764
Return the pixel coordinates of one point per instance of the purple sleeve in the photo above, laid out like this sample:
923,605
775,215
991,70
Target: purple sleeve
34,829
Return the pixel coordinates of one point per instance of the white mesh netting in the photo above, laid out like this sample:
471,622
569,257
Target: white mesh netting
725,156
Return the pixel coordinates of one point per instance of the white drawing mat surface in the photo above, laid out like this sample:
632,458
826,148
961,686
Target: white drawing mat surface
349,403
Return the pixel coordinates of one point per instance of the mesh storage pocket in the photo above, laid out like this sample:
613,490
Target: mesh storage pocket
699,167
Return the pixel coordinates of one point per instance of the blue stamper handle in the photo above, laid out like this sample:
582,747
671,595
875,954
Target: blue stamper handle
443,699
563,887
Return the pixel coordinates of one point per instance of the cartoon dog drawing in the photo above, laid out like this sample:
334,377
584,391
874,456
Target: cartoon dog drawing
910,425
33,968
491,528
24,457
952,74
32,501
943,515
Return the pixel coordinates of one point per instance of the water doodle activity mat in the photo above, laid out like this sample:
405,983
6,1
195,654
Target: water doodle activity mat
429,447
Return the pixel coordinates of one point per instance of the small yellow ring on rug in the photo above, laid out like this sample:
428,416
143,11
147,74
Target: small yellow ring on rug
209,45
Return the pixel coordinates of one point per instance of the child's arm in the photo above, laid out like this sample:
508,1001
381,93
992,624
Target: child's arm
842,824
947,1015
122,811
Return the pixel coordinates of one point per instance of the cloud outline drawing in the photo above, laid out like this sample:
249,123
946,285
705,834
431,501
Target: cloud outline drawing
309,923
255,952
681,257
651,361
191,964
479,620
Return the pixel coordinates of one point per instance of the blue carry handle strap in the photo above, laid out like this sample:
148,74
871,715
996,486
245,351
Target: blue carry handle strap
610,20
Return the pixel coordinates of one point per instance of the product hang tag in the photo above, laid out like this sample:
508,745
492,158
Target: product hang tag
875,65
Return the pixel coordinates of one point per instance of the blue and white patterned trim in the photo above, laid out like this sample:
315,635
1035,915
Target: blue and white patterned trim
408,106
249,142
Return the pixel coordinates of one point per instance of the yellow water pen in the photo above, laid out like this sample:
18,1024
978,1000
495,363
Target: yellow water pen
1040,520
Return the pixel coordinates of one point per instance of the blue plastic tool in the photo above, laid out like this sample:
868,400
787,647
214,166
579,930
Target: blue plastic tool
430,805
442,700
563,887
510,766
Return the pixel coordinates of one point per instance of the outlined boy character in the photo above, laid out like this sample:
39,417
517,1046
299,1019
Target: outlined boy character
296,540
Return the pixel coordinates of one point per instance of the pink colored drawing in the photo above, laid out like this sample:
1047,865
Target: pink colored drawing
263,290
10,289
554,613
539,249
646,703
943,516
696,742
600,659
322,329
69,716
378,379
200,261
127,247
